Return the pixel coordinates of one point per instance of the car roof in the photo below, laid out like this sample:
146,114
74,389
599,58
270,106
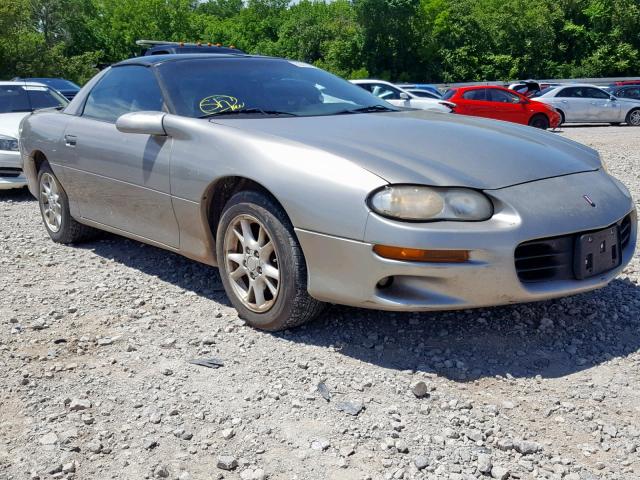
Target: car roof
151,60
373,80
28,84
475,87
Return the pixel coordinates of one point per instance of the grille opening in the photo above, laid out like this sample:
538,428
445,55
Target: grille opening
547,259
625,232
552,258
10,172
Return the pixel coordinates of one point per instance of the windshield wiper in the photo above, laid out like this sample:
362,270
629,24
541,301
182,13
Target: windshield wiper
248,111
368,109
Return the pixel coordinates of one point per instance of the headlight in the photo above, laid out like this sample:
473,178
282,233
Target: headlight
426,204
8,143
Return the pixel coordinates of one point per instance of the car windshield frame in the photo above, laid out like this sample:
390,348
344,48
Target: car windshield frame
27,103
56,83
265,87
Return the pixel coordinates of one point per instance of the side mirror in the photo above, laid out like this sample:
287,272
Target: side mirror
525,101
404,96
612,98
146,123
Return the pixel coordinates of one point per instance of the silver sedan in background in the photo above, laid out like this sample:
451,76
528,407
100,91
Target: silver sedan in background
590,104
305,189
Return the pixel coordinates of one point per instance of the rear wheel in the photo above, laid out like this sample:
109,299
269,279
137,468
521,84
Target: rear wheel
562,117
539,121
54,207
633,117
261,264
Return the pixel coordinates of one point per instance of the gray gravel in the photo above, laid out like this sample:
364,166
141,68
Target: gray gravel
96,342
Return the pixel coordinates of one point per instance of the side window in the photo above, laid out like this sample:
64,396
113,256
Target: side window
385,92
567,92
478,94
501,96
124,89
594,93
631,93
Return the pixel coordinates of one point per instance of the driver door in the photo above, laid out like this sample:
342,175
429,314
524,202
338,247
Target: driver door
121,180
603,108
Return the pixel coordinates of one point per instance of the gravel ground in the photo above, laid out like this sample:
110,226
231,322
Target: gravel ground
96,342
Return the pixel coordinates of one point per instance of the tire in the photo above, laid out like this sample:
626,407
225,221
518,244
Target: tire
633,117
539,121
562,117
54,208
248,265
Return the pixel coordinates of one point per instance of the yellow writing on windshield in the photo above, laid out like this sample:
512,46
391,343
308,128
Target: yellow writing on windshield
220,103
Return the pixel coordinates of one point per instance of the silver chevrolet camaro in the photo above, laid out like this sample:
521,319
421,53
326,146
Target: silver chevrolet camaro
304,189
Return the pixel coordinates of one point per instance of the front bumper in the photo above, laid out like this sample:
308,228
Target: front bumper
10,161
347,271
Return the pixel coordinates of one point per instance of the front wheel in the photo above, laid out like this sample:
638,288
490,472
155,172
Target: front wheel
539,121
633,117
261,264
54,207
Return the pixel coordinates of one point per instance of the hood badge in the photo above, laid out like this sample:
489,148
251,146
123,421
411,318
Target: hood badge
587,198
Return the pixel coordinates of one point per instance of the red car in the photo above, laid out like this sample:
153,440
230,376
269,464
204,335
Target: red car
501,104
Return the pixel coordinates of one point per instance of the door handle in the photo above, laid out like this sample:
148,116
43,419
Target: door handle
564,101
70,140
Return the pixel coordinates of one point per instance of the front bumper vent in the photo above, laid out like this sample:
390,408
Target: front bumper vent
552,258
7,172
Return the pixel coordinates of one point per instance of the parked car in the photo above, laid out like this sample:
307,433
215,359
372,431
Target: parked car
251,164
422,87
17,99
161,47
627,91
590,104
65,87
399,97
622,83
423,93
502,104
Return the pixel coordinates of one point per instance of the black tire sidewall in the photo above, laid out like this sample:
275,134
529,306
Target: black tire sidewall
539,118
60,235
261,207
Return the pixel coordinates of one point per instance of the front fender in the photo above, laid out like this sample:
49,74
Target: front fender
320,192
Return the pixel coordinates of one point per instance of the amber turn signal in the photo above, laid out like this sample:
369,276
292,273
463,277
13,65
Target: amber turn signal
417,255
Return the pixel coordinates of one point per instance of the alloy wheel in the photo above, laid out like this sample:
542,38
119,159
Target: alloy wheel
634,118
251,263
50,202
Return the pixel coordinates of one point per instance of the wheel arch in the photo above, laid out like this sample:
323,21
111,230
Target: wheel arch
31,167
220,191
627,118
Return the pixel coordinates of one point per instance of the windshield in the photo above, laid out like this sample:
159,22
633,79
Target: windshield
262,86
24,98
450,93
57,83
543,91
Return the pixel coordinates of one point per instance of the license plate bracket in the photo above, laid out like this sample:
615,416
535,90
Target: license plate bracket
596,252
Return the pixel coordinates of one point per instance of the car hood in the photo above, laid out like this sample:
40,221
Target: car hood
10,123
433,148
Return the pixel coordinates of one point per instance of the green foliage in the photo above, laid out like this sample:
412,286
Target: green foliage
411,40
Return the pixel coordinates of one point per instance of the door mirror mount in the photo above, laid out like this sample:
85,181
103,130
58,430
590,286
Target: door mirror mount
145,123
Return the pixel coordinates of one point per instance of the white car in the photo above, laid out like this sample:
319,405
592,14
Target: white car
17,100
581,103
400,97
